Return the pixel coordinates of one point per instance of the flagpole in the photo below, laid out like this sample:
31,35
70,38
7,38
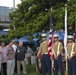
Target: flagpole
50,53
52,48
65,36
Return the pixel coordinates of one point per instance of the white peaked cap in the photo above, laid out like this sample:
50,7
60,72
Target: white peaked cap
70,36
43,35
55,35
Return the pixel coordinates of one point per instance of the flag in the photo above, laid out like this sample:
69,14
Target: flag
50,37
50,44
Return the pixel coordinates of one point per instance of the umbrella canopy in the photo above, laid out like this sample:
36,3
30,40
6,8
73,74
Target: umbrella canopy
35,39
23,39
3,32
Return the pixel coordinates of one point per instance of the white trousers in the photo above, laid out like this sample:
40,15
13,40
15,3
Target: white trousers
10,67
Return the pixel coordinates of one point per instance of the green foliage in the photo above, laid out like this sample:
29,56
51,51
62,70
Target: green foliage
30,38
33,16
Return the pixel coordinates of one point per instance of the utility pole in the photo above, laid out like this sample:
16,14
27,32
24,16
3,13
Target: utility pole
14,10
13,4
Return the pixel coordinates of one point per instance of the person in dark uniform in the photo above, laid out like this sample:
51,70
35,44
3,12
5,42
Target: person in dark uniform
57,50
46,61
71,52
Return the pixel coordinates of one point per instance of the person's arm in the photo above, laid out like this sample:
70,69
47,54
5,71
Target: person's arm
11,51
39,51
60,49
75,48
0,51
74,53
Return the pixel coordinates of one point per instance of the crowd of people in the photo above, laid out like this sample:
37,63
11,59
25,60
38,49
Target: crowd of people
12,56
15,54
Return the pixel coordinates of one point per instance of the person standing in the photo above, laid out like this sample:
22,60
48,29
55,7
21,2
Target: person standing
4,58
71,52
11,59
14,46
29,54
57,50
0,56
21,55
46,61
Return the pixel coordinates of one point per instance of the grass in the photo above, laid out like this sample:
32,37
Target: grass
31,70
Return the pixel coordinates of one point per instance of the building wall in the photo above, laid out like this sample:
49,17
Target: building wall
4,16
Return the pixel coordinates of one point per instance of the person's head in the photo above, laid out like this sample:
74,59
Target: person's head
70,38
43,36
20,44
16,43
55,37
3,44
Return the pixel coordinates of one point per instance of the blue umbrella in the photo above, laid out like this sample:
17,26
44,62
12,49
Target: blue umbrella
23,39
3,32
61,36
35,39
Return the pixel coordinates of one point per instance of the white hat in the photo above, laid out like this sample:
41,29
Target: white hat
55,35
70,36
43,35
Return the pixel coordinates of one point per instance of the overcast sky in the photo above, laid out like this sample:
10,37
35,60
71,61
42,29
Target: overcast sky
8,3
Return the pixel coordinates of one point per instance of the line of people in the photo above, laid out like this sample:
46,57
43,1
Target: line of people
57,49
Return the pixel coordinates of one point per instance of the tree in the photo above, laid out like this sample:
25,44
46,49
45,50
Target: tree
33,16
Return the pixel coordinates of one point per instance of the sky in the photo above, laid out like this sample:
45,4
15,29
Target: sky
9,3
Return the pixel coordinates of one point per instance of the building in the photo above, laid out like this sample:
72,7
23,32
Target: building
4,17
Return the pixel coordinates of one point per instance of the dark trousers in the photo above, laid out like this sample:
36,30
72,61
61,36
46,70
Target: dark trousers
15,70
4,68
46,64
58,65
72,66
